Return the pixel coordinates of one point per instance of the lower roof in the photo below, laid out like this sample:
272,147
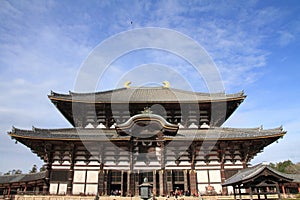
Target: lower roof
95,134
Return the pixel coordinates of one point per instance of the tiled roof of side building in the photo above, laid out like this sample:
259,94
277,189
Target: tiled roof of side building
295,177
146,94
216,133
251,172
22,177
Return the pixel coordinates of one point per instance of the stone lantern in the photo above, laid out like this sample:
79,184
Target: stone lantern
145,189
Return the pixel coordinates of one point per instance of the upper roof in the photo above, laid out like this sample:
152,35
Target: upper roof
248,174
145,94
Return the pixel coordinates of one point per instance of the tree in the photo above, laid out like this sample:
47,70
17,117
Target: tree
293,169
13,172
286,167
18,171
33,170
43,168
8,173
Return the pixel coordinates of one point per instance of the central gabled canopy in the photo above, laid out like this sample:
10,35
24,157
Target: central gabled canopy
143,125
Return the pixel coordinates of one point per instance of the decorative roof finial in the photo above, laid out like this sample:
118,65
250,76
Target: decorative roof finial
127,84
166,84
146,110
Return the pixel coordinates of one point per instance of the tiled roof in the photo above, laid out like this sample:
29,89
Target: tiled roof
295,177
22,177
145,94
216,133
230,133
251,172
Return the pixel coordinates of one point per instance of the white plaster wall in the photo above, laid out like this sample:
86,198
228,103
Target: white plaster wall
94,163
60,167
62,188
214,176
202,176
230,189
79,176
92,177
233,167
201,188
206,167
53,188
218,188
78,188
91,189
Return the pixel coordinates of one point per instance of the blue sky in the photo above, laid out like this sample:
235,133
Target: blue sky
254,44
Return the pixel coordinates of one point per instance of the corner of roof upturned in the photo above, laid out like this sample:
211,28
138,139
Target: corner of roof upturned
13,129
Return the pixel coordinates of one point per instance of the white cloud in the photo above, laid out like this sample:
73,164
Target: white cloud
285,38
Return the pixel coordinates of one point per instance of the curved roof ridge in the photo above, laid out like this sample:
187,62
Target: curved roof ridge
259,128
232,128
98,92
36,129
71,93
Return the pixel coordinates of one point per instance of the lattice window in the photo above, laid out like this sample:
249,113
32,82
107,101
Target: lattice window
178,175
116,176
149,175
59,175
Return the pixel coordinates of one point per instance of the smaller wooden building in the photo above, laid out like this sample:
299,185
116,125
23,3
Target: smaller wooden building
258,182
21,183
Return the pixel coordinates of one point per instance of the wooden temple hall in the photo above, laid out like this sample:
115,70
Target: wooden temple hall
170,136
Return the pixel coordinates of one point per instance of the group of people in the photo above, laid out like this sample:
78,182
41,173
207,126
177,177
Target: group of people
177,193
115,192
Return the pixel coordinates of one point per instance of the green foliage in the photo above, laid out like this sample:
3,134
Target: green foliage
33,170
13,172
286,167
43,168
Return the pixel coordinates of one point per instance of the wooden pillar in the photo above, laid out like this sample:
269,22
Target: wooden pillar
258,193
106,180
136,181
240,193
283,191
129,192
251,194
47,179
122,183
162,175
278,191
193,182
101,178
265,193
185,176
162,183
234,192
71,171
9,189
244,164
223,178
298,188
154,191
169,181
